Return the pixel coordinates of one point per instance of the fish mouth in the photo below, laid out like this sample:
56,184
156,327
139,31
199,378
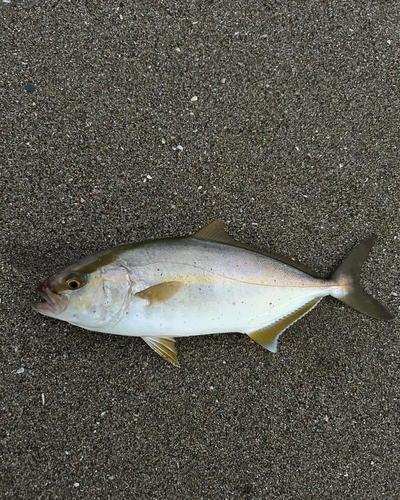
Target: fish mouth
52,302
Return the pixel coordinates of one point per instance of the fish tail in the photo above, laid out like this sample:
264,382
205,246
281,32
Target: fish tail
349,289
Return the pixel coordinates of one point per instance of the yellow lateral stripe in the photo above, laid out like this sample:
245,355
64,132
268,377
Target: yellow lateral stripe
220,279
268,336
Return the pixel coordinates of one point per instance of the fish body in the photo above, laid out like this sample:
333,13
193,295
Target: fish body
208,283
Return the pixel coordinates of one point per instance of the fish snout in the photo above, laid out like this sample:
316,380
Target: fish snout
45,286
51,300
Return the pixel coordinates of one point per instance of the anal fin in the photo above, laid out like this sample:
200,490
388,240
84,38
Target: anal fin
268,336
164,346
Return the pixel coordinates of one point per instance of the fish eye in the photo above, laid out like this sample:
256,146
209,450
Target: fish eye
74,283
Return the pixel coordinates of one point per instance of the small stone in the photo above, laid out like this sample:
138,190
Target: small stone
20,370
194,98
29,87
76,485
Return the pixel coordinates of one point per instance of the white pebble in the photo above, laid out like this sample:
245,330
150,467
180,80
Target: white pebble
179,147
76,485
20,370
223,80
148,176
194,98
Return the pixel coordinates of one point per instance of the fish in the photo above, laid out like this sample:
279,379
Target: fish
206,283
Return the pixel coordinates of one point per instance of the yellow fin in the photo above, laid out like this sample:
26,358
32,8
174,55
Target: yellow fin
268,336
216,232
160,293
164,346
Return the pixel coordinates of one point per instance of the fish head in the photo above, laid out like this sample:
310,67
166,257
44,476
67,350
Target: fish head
85,294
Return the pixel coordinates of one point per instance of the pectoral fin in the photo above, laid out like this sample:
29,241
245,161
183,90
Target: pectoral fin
160,293
164,346
268,336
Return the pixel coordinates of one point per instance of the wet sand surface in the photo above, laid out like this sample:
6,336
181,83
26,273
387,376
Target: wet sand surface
124,121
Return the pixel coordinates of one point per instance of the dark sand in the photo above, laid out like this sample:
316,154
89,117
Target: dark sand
293,141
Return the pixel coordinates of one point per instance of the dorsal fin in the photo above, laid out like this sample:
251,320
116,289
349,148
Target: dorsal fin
268,336
164,346
216,232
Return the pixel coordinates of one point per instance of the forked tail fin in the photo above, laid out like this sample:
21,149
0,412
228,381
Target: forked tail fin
352,294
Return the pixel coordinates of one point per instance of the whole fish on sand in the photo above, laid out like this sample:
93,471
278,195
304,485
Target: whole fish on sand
202,284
